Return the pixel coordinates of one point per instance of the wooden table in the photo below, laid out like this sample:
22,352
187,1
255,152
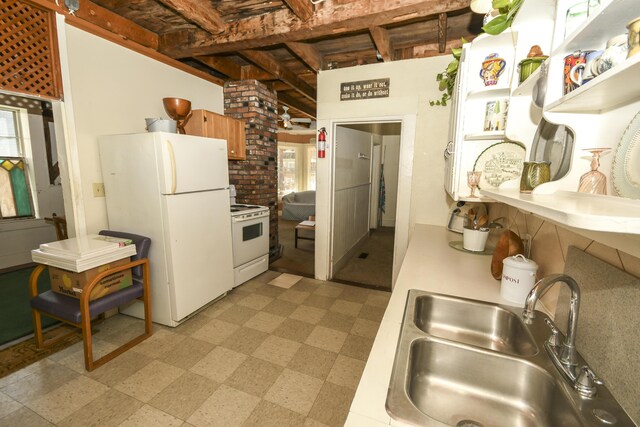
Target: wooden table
305,225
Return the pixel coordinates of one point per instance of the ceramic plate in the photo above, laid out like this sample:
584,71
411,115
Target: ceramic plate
626,177
499,163
554,144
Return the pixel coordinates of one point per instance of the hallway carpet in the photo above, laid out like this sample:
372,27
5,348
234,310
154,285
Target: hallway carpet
374,270
25,353
377,268
294,260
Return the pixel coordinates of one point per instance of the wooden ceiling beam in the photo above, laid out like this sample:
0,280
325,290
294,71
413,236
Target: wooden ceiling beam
308,54
383,43
224,65
279,86
429,49
92,14
281,26
302,8
442,32
201,13
117,4
291,102
252,72
269,63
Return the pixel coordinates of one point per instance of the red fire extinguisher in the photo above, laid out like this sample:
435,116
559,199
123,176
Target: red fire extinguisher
322,142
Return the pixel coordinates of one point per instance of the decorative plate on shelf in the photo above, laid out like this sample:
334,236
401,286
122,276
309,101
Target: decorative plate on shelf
499,163
625,171
553,143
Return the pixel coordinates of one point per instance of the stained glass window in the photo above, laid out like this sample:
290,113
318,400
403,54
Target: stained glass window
15,195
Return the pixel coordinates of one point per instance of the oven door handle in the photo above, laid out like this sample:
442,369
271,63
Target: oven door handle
235,219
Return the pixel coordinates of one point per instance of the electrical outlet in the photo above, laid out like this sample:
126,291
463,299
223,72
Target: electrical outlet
98,189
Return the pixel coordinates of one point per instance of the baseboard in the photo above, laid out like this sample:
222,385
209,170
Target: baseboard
347,256
17,267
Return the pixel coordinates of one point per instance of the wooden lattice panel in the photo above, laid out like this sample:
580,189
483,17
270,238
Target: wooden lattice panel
28,50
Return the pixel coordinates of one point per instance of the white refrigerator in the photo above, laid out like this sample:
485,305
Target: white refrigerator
174,189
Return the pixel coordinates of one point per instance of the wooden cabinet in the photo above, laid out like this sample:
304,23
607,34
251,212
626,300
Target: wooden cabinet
213,125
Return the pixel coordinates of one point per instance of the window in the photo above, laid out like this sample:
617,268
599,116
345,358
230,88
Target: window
296,168
15,194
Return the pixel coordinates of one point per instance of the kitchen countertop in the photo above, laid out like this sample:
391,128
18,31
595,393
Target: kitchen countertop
430,264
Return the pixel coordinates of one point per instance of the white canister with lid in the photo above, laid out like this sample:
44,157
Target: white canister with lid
518,278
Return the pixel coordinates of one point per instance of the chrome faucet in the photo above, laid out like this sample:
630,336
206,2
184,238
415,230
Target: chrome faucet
563,355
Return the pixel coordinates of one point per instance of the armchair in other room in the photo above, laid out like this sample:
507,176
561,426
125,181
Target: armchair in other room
78,312
299,206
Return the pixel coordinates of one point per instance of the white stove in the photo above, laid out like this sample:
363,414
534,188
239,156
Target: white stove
250,231
242,210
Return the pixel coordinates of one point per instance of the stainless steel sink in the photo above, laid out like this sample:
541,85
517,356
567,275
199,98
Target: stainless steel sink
467,363
456,385
473,322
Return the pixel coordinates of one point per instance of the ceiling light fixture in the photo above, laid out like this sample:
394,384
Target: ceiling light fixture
286,117
72,5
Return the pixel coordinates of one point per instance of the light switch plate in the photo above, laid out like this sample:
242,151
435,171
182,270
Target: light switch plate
98,189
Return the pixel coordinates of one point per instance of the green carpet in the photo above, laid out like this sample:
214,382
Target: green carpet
15,311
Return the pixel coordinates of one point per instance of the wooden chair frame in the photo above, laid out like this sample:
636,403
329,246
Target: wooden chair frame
85,322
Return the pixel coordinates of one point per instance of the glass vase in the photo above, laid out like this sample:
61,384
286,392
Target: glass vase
594,181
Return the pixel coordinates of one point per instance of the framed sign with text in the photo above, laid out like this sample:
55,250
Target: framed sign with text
364,89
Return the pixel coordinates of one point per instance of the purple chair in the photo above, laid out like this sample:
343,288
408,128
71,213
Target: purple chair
79,312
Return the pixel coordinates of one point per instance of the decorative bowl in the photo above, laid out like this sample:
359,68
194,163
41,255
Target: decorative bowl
177,108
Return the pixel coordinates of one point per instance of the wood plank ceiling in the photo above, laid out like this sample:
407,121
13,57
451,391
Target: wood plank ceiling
284,43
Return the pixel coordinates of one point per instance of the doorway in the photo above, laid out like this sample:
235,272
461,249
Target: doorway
365,176
296,203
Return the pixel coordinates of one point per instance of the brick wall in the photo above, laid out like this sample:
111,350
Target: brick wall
256,178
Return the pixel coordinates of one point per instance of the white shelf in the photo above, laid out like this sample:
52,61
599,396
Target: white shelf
483,136
481,199
594,33
526,87
585,211
491,92
614,87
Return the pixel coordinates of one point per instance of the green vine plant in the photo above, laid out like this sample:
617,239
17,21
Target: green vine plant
447,79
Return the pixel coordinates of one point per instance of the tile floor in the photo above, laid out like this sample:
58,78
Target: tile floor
262,356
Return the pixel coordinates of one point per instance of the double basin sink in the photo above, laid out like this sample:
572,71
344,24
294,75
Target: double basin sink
468,363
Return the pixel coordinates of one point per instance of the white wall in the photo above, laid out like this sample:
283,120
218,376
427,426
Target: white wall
424,134
391,161
109,90
352,189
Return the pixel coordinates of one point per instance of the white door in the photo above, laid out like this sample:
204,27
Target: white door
190,163
352,189
199,255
